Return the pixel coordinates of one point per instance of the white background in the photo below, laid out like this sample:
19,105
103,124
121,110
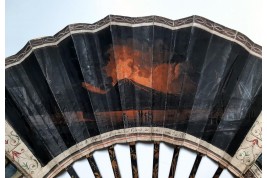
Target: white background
28,19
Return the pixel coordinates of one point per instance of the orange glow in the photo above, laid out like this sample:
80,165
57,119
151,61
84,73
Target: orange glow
93,88
137,65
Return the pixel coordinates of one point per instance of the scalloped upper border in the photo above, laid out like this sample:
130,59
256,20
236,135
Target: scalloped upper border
196,21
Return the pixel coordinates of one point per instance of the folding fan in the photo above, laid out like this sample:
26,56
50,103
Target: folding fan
191,83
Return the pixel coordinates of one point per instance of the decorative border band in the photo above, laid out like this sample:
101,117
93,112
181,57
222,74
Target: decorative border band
251,147
195,21
18,152
141,134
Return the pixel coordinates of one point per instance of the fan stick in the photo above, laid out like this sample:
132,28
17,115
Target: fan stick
72,172
133,160
195,166
93,165
218,172
114,162
156,160
174,161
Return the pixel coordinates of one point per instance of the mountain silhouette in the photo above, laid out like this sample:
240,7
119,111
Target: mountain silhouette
127,94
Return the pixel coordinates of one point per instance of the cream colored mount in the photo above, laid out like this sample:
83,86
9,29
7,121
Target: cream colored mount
22,157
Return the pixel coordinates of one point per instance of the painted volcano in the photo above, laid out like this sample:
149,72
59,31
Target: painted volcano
190,75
